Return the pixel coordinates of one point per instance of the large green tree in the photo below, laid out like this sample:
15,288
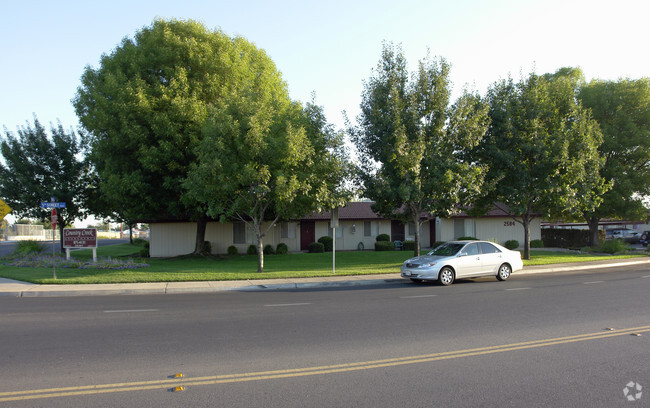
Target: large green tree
622,108
144,109
264,158
413,145
541,149
38,166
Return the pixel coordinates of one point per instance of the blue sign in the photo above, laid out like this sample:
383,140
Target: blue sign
52,205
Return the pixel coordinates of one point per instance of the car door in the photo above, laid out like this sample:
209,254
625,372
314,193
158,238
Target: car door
491,258
468,262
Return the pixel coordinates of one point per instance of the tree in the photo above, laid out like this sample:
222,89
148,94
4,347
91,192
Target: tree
622,109
144,110
413,146
37,167
264,158
541,149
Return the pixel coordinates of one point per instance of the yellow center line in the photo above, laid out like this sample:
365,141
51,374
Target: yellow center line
307,371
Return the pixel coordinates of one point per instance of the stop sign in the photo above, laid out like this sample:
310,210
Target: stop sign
53,216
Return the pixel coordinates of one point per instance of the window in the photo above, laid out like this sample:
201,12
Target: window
367,231
287,230
238,233
487,248
411,228
471,249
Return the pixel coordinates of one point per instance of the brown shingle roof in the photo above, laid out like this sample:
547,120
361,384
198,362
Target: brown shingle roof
352,211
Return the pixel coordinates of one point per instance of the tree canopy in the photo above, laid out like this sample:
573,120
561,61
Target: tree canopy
38,166
622,109
413,145
541,149
144,109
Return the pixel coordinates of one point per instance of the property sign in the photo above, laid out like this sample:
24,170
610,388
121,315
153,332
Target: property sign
4,209
80,238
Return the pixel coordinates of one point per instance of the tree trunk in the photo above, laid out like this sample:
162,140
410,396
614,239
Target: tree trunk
418,223
593,230
201,225
526,223
260,254
130,233
61,223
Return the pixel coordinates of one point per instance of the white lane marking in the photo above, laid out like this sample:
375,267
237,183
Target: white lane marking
592,282
519,289
647,276
131,311
418,296
287,304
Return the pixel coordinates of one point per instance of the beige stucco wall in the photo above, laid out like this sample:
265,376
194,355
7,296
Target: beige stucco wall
174,239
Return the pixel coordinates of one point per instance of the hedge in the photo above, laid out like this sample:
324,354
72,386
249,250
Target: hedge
408,245
383,238
316,247
384,246
568,238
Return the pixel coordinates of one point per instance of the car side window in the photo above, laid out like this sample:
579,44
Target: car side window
471,249
488,248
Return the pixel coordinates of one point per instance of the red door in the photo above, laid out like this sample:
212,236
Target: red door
307,234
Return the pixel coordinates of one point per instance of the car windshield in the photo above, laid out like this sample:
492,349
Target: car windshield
447,249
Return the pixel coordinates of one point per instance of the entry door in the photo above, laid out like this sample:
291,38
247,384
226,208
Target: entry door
397,231
307,234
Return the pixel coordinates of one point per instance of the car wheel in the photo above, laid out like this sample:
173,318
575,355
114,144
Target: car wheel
416,280
504,272
446,276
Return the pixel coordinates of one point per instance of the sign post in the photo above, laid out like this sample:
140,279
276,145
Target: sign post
53,219
335,224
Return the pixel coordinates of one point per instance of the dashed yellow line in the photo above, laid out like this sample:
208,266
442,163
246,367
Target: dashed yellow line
307,371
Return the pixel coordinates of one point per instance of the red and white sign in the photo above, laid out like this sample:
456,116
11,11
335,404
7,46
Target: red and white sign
53,218
80,238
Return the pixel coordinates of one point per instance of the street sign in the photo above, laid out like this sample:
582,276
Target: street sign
80,238
4,209
52,205
53,219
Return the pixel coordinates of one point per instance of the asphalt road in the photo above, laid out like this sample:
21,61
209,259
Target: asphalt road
531,341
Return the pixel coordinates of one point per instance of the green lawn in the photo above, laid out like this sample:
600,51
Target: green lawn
242,266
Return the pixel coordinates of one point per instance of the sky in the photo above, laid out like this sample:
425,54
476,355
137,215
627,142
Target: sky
325,48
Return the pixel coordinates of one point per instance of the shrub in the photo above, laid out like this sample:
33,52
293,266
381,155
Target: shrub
232,250
614,246
384,246
144,252
29,247
537,243
383,238
252,250
316,247
268,250
467,239
327,243
282,249
408,245
511,244
140,242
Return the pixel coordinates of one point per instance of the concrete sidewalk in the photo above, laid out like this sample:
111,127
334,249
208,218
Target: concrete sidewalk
14,288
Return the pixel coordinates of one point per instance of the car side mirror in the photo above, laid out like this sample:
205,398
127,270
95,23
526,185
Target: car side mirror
463,254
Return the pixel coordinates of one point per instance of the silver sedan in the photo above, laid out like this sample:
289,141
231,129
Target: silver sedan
463,259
